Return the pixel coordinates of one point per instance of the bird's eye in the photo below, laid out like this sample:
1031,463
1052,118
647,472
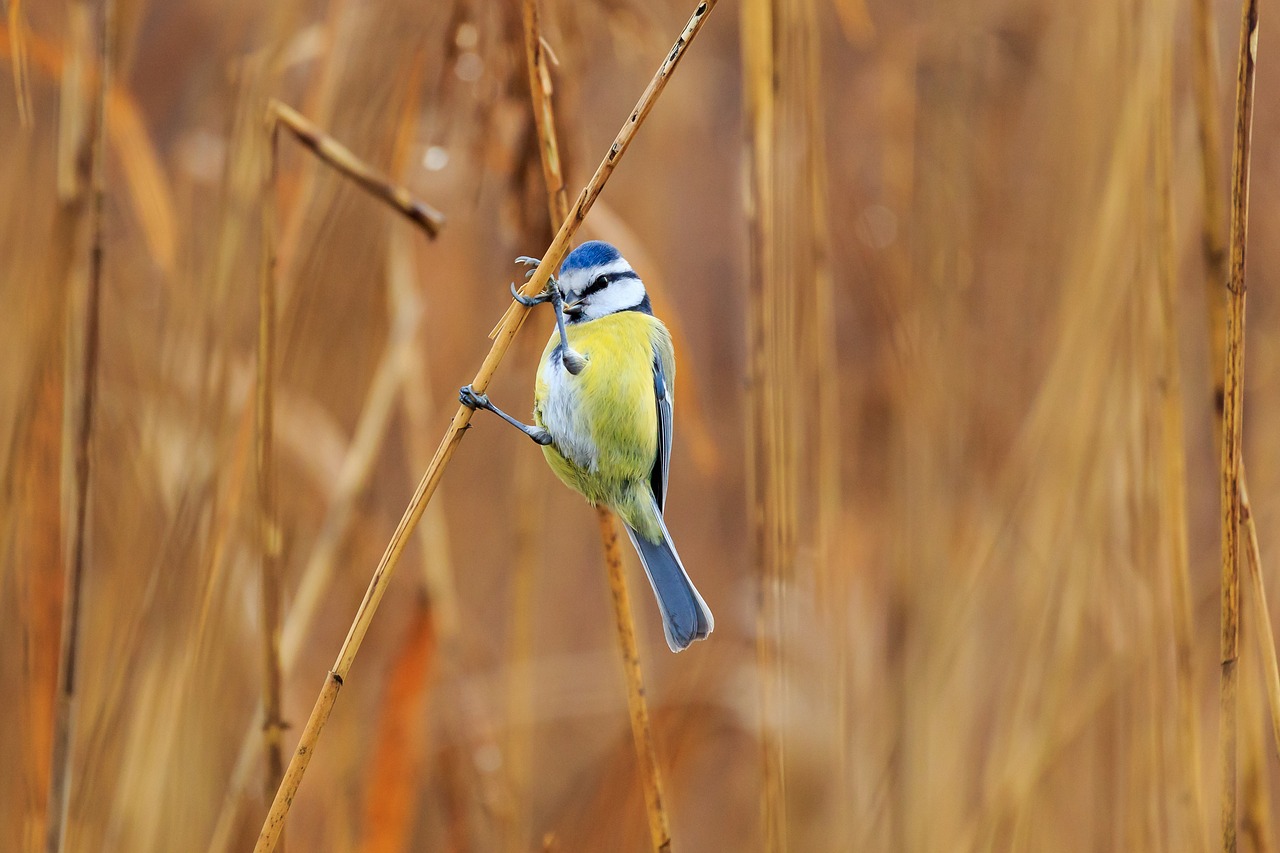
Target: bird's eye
599,284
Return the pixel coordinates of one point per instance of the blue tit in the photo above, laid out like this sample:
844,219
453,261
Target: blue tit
603,406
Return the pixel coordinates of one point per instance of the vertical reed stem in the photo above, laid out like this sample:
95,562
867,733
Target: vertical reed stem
268,523
1232,414
641,731
1174,474
60,763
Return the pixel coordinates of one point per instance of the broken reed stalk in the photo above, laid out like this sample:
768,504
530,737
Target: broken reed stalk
1232,413
637,707
1174,470
340,157
264,439
56,811
507,330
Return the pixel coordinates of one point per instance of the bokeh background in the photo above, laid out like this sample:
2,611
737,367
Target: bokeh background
927,427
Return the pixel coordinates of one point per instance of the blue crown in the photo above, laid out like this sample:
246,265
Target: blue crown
593,253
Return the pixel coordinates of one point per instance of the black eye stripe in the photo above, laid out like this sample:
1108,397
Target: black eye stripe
603,281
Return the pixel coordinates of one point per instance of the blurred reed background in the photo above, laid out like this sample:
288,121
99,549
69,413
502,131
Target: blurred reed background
938,282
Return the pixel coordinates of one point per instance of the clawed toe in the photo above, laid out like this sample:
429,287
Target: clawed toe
528,301
469,398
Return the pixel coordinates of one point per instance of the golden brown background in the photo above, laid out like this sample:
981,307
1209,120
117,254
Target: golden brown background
939,434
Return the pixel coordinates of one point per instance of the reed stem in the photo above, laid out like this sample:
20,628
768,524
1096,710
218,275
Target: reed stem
56,813
264,438
1232,414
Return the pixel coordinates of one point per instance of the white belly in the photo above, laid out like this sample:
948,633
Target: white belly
563,416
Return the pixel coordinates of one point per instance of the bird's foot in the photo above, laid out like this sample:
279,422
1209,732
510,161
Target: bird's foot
468,397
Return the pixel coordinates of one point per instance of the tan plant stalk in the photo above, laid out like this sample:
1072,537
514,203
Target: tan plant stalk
641,730
1213,238
1173,493
1232,414
638,710
60,762
264,439
431,478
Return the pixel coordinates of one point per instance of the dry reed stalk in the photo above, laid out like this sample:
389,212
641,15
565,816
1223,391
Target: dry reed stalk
264,447
338,156
18,57
1213,239
638,710
790,346
60,762
1173,494
757,50
528,518
1232,414
641,730
431,478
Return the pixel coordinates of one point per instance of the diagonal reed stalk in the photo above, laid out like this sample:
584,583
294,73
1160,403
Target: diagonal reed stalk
56,812
1232,413
340,157
638,710
507,330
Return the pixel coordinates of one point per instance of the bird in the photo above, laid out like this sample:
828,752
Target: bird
603,413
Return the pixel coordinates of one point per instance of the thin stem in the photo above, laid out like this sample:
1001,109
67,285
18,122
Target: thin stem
1232,414
514,318
60,762
268,523
641,730
1174,470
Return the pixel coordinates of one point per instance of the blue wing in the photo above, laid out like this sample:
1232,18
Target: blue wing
663,373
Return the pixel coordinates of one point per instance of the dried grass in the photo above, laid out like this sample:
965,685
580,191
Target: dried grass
999,622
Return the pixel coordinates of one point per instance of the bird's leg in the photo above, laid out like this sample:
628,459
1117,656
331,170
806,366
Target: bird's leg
469,398
573,361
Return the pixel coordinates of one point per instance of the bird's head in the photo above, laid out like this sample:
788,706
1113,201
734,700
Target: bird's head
597,281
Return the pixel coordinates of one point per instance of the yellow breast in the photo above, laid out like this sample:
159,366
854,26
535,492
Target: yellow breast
604,421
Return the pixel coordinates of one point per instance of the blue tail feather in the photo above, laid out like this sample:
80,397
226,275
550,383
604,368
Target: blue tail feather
685,616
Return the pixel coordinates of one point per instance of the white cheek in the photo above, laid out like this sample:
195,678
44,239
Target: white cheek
618,296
